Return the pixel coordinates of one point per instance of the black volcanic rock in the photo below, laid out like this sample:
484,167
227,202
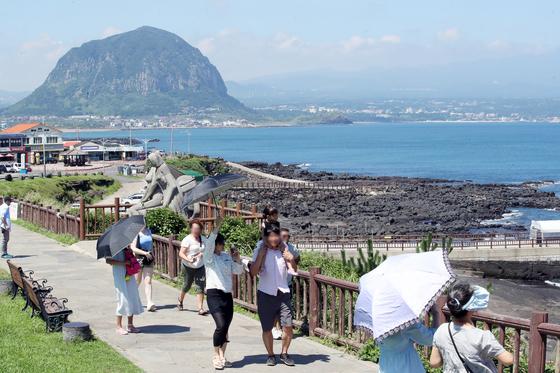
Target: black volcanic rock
146,71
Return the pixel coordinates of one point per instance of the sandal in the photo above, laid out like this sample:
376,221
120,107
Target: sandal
133,329
121,331
202,312
226,363
217,362
179,305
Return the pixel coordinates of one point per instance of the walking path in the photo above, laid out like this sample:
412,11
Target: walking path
171,341
264,174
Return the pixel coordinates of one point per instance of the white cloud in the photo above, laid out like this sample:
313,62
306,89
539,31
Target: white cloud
206,45
357,42
285,41
110,31
451,34
391,39
44,46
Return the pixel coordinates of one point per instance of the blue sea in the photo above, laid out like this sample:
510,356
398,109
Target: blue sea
479,152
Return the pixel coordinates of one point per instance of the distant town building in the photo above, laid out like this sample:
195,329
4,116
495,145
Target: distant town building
106,150
39,140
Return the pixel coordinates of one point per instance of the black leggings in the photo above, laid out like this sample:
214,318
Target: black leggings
220,305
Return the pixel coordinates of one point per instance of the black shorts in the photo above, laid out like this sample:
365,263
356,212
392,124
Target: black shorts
271,307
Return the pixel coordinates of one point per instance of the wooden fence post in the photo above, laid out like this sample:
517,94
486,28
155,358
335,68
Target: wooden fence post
82,219
117,209
171,258
313,299
537,343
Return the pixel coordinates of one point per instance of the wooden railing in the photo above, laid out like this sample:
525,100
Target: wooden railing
49,218
323,304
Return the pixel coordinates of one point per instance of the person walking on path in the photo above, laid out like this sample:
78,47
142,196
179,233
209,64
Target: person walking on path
142,247
220,266
192,248
285,236
6,226
128,298
459,346
273,295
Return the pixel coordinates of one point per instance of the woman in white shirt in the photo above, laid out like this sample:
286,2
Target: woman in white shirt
220,266
194,274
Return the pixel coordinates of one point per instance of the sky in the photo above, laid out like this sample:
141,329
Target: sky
248,39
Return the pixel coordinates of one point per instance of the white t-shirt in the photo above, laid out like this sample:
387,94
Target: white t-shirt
5,215
219,268
193,247
274,272
477,347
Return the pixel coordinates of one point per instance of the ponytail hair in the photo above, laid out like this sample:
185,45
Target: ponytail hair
458,296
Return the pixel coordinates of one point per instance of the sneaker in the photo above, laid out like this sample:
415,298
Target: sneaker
276,333
151,308
286,359
271,361
226,363
7,256
217,363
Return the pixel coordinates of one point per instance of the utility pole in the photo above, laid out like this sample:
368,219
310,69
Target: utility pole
44,159
171,147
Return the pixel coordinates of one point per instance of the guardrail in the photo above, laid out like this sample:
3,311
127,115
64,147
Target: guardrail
325,306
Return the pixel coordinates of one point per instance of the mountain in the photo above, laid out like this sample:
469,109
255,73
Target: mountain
509,77
8,98
146,71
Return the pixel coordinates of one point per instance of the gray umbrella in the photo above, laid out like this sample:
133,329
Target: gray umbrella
209,187
119,235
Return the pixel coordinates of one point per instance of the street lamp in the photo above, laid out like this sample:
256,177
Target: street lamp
189,142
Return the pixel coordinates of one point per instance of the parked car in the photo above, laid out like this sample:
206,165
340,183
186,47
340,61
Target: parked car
3,169
16,167
133,198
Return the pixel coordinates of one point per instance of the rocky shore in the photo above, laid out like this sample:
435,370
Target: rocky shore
388,205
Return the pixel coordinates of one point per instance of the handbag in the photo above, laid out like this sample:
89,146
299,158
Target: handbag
463,361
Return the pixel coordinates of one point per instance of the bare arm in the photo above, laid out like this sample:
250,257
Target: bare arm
435,358
183,254
289,257
257,264
506,358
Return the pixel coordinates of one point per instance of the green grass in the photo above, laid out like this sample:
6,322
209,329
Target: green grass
4,275
61,191
25,346
65,239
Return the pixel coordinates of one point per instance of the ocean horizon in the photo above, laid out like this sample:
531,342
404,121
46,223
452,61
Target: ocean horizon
481,152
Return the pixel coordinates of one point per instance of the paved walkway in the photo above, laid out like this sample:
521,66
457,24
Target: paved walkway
170,341
263,174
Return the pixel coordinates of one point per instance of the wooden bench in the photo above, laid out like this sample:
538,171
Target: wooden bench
52,310
18,274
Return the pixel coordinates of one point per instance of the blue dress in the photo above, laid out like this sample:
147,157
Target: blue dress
398,354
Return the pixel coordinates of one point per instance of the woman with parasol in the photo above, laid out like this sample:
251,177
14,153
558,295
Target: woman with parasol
393,300
114,246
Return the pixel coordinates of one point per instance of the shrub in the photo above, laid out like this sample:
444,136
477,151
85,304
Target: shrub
165,222
330,266
243,236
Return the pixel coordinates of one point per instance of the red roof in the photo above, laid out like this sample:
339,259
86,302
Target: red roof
21,127
70,143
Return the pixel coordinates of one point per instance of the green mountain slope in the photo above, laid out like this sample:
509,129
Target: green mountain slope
146,71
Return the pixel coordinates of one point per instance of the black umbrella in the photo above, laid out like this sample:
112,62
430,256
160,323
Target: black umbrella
119,235
210,186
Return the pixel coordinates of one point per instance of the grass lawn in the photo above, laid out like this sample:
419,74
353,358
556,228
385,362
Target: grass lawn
62,191
25,346
65,239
